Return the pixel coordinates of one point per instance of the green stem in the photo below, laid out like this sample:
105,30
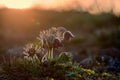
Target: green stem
52,53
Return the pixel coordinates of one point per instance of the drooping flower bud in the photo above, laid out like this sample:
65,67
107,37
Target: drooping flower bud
67,36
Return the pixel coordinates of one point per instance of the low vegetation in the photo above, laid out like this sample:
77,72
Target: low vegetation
41,60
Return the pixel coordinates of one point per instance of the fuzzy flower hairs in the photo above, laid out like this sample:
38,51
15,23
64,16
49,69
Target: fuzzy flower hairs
54,37
50,40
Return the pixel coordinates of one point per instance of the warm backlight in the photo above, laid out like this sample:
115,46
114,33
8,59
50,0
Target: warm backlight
17,4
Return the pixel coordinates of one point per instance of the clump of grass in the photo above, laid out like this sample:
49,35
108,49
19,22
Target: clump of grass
21,69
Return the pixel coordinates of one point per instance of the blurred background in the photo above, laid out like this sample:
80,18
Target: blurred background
94,24
18,27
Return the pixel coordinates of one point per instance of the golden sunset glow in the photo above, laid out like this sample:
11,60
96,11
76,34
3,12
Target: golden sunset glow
17,4
90,6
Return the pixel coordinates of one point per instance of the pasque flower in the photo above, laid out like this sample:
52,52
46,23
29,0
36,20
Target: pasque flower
52,39
30,51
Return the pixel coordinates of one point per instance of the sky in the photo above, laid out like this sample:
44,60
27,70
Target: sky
91,6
